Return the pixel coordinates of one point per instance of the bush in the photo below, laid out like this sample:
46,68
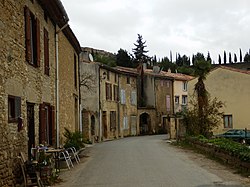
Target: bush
73,139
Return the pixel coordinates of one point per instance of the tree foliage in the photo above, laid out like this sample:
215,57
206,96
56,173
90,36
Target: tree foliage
247,57
139,51
123,58
204,114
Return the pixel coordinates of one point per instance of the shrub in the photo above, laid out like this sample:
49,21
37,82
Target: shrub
73,139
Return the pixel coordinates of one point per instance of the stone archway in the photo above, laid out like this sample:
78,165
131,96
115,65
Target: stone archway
145,124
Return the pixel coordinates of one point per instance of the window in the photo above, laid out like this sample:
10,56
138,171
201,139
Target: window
14,108
108,75
46,52
184,86
128,80
125,122
184,100
115,88
228,121
123,97
108,91
168,103
177,100
112,120
133,98
32,38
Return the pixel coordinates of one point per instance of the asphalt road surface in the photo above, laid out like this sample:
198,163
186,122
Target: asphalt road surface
146,161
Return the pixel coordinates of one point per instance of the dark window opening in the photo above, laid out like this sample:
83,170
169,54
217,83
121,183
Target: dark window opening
14,108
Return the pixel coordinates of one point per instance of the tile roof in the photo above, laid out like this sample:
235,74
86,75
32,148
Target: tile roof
233,69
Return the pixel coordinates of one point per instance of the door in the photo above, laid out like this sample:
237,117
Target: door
31,127
104,124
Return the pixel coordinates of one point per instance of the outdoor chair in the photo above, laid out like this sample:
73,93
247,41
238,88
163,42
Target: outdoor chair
72,151
65,156
31,177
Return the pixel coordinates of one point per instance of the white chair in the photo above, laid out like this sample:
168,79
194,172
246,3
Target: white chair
72,151
65,156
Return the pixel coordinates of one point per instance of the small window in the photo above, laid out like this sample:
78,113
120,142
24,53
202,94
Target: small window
184,86
46,52
108,91
184,100
128,80
133,97
115,88
108,75
177,99
123,97
14,108
228,121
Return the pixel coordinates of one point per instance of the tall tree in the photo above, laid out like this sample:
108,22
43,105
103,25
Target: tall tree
198,57
139,50
201,69
123,58
247,57
219,59
209,58
240,55
230,58
235,58
225,57
171,60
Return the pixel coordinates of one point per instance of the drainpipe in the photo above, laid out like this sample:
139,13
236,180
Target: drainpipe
57,86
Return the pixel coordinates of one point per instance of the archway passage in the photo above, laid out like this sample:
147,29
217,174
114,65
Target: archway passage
145,124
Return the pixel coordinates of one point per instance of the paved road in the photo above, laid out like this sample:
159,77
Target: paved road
146,161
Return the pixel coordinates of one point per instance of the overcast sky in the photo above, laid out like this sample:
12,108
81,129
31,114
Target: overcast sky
182,26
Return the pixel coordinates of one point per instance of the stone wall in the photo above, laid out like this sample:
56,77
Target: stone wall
68,93
18,78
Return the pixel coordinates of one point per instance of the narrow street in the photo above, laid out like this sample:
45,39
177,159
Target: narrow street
147,161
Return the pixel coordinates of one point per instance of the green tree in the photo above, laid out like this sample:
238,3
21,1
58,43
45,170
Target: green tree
225,57
139,51
219,59
123,58
235,58
230,58
247,57
209,58
240,55
205,114
198,57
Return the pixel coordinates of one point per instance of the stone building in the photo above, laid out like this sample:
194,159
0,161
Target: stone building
28,71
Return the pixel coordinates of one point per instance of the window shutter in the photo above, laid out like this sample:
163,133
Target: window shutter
27,34
168,103
38,42
46,52
17,107
53,129
42,127
110,91
106,86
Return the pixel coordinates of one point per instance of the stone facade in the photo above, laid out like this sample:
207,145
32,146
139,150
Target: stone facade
28,79
19,79
128,105
68,87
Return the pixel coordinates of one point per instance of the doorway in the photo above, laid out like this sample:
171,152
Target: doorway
145,124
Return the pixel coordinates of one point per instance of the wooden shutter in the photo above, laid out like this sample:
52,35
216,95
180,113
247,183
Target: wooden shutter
27,34
42,125
17,107
46,52
106,86
52,121
37,42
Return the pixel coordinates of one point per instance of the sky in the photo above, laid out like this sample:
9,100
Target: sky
180,26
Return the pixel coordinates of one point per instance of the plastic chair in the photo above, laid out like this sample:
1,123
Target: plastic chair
65,156
73,152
